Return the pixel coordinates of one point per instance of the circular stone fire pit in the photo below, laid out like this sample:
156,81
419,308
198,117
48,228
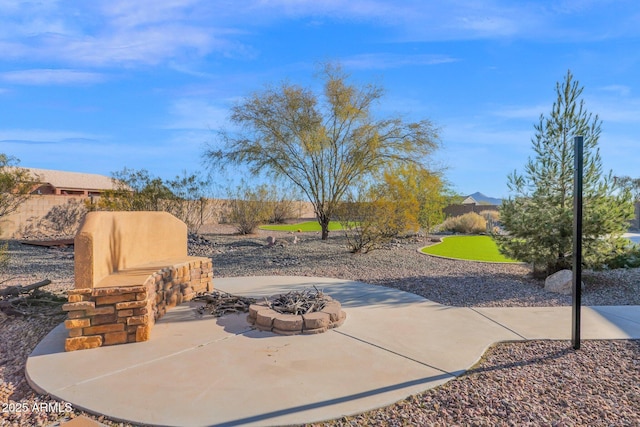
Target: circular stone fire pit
265,318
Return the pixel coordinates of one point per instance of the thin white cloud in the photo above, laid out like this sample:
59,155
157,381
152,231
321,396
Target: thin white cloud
44,136
388,60
150,32
75,151
620,90
616,111
111,33
51,77
521,112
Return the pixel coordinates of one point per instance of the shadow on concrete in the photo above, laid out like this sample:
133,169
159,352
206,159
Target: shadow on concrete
338,400
621,317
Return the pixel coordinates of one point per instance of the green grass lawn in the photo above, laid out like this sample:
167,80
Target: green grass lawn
472,248
302,226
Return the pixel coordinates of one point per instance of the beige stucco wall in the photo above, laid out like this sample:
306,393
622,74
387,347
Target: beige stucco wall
36,206
113,241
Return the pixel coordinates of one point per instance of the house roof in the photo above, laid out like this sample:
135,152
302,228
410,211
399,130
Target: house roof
469,201
73,180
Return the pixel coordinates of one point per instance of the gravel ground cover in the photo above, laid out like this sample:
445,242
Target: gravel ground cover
531,383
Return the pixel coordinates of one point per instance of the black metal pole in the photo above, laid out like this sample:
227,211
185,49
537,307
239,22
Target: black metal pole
577,241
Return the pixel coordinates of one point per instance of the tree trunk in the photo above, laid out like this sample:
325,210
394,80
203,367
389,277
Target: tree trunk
324,224
325,232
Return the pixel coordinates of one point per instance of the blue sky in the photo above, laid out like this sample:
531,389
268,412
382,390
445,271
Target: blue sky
95,86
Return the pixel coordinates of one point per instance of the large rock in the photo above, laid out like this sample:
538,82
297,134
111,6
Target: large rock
560,282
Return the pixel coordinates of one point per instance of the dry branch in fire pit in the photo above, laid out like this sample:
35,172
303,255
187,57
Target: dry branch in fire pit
299,302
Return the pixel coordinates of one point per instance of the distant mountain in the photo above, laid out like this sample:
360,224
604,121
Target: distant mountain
485,200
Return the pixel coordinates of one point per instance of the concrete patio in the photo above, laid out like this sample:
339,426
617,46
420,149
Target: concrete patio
200,370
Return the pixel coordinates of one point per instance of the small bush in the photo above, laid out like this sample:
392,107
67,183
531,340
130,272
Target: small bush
248,208
627,258
493,219
280,203
469,223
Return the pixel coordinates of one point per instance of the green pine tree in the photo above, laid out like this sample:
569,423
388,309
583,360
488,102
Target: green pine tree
539,218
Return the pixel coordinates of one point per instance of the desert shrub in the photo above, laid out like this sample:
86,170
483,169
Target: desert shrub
280,204
490,215
469,223
248,207
492,218
190,201
372,216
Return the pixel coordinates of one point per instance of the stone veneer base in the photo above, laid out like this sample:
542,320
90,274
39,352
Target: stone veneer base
124,314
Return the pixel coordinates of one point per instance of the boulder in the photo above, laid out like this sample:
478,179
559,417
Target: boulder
560,282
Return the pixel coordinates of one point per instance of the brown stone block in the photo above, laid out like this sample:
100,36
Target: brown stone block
195,274
82,343
125,313
130,304
142,296
143,333
157,277
288,322
73,306
139,311
333,309
112,338
112,299
104,329
138,320
189,296
263,328
107,309
265,317
172,301
131,337
73,333
255,308
342,316
251,320
76,314
168,286
77,323
316,320
75,298
103,319
86,291
118,290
